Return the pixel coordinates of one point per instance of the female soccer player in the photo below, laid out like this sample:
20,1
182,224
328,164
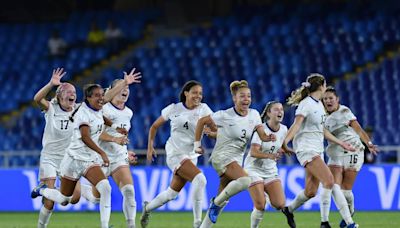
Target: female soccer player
343,164
56,136
261,163
82,157
308,134
181,158
114,144
235,127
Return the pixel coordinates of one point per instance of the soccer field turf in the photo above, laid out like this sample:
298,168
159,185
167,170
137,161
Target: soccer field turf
184,219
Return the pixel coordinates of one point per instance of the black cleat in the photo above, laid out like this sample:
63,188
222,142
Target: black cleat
289,217
325,225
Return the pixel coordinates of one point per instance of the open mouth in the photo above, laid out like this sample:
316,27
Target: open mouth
124,95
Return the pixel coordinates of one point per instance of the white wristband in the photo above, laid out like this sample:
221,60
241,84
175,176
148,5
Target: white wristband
370,143
197,144
114,126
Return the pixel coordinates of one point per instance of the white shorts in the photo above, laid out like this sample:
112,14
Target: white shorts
304,157
220,163
114,166
350,161
174,162
49,168
264,176
73,169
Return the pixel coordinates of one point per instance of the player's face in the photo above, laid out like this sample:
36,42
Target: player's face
68,97
331,102
97,98
123,95
276,113
194,96
242,99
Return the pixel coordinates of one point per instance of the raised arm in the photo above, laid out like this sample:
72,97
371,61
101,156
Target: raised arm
85,133
55,80
364,136
152,134
130,78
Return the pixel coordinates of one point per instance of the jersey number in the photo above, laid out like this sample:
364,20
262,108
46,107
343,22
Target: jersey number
186,125
243,134
353,158
64,124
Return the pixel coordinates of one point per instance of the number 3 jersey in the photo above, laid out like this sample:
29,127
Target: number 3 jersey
338,123
57,132
234,132
263,167
86,116
183,124
121,117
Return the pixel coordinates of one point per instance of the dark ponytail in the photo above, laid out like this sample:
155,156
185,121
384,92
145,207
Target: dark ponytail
268,106
186,87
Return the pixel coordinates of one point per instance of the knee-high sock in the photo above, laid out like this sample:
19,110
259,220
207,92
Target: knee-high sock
232,189
300,199
55,195
256,218
198,184
104,188
348,194
162,199
325,204
87,193
206,222
44,217
129,204
341,204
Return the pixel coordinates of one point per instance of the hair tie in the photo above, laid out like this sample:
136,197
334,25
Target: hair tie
306,84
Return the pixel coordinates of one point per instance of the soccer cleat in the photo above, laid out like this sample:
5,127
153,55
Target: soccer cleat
342,224
144,219
197,224
325,225
36,191
353,225
289,217
213,211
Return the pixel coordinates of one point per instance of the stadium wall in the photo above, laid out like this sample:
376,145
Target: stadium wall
377,188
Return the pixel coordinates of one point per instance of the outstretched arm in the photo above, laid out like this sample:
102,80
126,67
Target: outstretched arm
333,139
364,136
55,80
130,78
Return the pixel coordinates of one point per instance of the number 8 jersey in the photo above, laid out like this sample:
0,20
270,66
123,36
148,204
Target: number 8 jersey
183,124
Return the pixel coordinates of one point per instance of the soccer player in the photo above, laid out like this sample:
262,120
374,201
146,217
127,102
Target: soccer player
308,134
343,164
235,128
181,158
82,157
114,144
56,136
261,163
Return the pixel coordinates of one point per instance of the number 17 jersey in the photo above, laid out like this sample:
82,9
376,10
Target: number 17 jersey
183,124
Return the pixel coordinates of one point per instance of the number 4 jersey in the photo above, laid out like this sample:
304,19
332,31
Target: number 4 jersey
183,124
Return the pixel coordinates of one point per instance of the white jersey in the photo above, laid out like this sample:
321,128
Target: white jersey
234,132
310,136
338,123
266,167
57,131
92,118
121,117
183,124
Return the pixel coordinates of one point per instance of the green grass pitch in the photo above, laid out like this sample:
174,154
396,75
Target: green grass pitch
184,219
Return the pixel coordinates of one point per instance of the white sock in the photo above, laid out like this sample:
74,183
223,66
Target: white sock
341,204
104,188
232,189
348,194
44,217
256,218
325,204
129,204
162,199
300,199
55,195
198,184
87,193
206,222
